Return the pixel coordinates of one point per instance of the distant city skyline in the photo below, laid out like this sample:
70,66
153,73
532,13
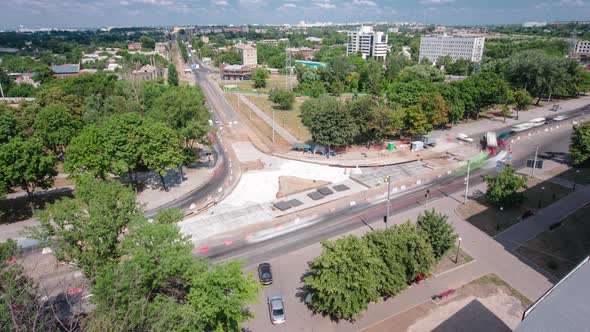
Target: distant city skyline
96,13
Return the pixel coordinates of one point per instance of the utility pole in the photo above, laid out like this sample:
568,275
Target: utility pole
535,161
388,179
273,125
467,181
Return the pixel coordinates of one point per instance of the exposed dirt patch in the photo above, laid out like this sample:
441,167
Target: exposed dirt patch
289,185
485,304
451,261
252,166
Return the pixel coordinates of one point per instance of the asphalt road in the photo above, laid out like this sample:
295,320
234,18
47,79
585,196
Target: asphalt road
554,146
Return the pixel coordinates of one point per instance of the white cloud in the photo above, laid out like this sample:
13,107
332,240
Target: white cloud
573,3
220,3
364,3
124,3
289,5
324,4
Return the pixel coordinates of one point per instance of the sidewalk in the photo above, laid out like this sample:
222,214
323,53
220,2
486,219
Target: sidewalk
483,125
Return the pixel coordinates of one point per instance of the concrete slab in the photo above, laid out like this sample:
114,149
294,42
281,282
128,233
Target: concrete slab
373,177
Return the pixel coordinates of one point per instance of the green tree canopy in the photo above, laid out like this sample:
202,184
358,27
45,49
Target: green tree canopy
424,73
284,98
172,75
345,278
505,189
580,144
55,126
24,163
260,76
439,233
522,100
332,127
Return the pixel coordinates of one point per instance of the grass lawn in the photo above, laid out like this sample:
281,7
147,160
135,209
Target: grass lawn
447,262
262,129
558,251
274,81
497,281
290,120
583,176
491,220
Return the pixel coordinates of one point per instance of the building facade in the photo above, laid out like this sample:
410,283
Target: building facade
235,72
434,47
372,44
161,48
582,50
248,54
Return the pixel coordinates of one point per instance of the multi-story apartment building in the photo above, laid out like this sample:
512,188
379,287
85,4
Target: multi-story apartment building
372,44
248,54
582,50
434,47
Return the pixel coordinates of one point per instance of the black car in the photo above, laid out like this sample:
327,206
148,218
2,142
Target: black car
265,274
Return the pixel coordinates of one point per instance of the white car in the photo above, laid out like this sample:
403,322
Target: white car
464,137
560,118
521,127
538,122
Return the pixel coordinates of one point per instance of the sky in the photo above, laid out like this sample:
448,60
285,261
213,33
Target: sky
98,13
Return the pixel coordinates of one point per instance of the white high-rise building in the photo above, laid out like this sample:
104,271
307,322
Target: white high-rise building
372,44
248,54
434,47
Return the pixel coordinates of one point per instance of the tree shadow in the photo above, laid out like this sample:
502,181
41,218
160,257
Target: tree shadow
19,208
558,157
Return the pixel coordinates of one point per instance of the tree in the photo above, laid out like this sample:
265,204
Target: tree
220,294
85,230
147,42
169,216
439,233
172,75
332,127
372,117
580,144
259,77
416,253
183,109
8,126
416,122
313,106
284,98
522,100
537,72
24,163
393,271
424,73
5,82
55,126
161,149
87,153
372,77
505,189
435,108
343,279
140,291
505,111
483,90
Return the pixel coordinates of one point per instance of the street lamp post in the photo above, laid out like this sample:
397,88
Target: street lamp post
576,179
541,197
388,179
498,223
458,248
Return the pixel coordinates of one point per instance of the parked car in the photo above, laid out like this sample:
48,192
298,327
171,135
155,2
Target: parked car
464,137
265,273
560,118
276,308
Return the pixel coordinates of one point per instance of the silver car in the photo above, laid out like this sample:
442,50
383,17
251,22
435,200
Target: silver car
276,308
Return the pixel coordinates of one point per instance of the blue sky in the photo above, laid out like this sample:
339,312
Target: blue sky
94,13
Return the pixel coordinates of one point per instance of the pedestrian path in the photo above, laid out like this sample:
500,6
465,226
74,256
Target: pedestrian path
527,229
280,130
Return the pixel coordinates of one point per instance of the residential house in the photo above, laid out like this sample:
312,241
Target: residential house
66,70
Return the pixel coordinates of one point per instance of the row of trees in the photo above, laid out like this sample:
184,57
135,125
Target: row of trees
352,271
100,125
580,145
182,48
142,275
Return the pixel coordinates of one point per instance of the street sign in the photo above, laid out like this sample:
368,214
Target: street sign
530,162
500,166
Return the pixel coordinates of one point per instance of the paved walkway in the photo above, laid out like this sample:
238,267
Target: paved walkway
280,130
527,229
